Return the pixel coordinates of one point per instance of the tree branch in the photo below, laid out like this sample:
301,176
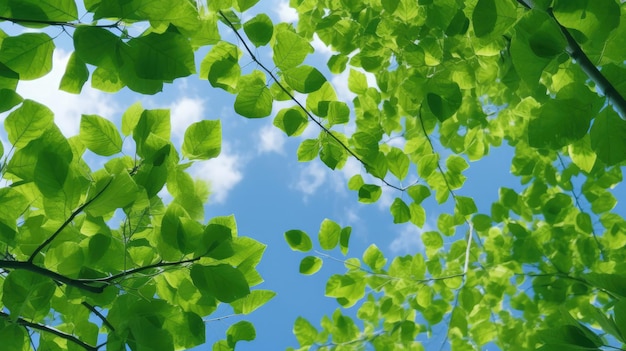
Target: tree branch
51,330
67,221
576,53
293,98
31,267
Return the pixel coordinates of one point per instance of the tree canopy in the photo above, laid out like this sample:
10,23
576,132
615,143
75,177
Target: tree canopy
95,259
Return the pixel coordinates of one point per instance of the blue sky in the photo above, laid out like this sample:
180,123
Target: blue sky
258,179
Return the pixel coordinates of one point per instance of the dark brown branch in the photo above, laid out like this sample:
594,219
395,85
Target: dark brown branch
67,221
51,330
293,98
31,267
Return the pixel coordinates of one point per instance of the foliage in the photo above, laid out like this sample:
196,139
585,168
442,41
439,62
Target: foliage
540,269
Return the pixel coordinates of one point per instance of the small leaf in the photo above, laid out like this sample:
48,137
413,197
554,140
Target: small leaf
298,240
291,120
250,303
242,330
304,79
310,265
290,49
203,140
329,234
76,74
374,258
369,193
344,239
400,211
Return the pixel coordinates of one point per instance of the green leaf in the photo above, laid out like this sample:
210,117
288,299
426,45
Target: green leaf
593,19
608,137
76,74
44,10
308,150
400,211
329,234
304,331
310,265
374,258
369,193
51,172
465,205
582,154
222,281
242,330
290,49
203,140
338,113
444,100
259,29
100,135
112,192
28,123
131,117
492,17
254,100
304,79
298,240
344,239
28,54
398,163
620,317
221,66
291,120
27,294
164,56
357,82
253,301
9,99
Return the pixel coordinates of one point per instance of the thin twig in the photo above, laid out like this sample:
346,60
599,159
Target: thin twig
100,315
159,264
293,98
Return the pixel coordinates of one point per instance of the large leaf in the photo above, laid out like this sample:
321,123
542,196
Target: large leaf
165,56
290,49
28,54
222,281
608,137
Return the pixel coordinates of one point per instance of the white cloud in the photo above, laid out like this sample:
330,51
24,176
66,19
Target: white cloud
311,178
272,139
67,107
222,173
408,240
184,112
286,13
320,47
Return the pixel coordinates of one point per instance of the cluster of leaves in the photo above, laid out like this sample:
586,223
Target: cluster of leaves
63,261
540,259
